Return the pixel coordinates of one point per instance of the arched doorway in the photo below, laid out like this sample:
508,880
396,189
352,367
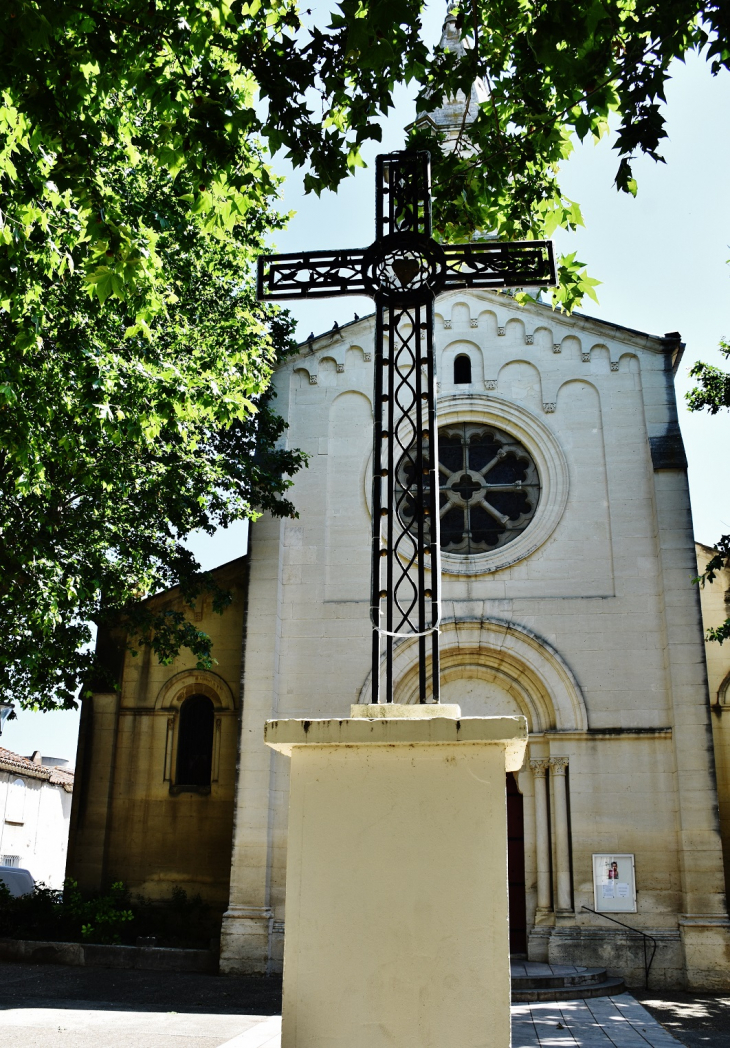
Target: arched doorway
483,684
516,868
489,668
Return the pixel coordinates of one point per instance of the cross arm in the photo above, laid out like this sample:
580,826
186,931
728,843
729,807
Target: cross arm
311,274
526,263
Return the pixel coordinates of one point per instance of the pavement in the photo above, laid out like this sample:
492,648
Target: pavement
699,1020
83,1027
53,1006
601,1022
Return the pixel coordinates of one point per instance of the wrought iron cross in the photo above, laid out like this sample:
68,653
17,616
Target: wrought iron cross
403,271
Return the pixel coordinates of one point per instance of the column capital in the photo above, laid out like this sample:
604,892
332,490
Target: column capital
558,765
539,766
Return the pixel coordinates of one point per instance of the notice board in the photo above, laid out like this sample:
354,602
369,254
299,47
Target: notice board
614,883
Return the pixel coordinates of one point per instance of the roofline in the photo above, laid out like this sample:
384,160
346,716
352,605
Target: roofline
45,774
340,327
211,571
671,343
623,327
710,549
22,769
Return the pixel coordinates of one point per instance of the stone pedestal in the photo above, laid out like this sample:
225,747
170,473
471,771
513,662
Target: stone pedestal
397,914
245,936
706,941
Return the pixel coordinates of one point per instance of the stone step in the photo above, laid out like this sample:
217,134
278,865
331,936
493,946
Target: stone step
609,988
578,977
533,981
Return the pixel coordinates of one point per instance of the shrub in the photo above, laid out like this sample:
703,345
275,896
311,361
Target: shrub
101,917
110,917
65,916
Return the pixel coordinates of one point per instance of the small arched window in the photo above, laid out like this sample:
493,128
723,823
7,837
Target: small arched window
195,742
462,370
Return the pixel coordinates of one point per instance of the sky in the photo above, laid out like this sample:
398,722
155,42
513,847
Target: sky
661,258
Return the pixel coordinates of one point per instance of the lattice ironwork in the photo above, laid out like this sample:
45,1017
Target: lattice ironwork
406,557
314,274
403,270
491,264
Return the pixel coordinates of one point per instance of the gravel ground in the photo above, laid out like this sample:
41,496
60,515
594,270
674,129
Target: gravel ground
699,1020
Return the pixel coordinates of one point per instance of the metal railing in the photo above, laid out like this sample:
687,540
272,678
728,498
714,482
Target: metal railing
636,931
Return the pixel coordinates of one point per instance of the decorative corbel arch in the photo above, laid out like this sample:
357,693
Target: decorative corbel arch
524,665
460,310
366,354
170,698
629,361
310,369
182,685
515,330
601,358
541,337
336,354
487,321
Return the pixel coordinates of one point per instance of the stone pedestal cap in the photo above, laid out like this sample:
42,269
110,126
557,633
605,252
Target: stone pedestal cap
419,727
394,710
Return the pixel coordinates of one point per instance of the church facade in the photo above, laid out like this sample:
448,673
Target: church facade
569,601
568,560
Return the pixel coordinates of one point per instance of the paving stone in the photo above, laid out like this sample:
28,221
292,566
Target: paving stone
604,1022
266,1034
77,1027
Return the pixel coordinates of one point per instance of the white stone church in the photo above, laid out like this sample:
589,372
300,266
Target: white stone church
568,599
578,612
573,605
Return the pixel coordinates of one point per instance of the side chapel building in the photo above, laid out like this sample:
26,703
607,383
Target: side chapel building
568,599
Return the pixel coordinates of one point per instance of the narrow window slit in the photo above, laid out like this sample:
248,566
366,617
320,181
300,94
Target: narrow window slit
462,370
195,742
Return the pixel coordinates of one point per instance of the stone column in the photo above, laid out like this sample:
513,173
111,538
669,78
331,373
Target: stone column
246,927
542,837
558,766
92,796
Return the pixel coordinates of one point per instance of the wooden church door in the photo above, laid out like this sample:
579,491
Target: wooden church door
516,868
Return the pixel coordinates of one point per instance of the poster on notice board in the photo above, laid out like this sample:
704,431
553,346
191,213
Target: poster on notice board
614,884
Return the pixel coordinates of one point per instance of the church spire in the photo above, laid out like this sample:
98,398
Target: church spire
460,111
450,36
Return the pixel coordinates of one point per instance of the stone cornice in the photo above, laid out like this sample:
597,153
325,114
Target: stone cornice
577,322
604,733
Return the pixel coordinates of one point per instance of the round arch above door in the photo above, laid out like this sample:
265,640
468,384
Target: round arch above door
492,667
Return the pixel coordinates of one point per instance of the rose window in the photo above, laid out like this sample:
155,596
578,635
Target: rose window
489,488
